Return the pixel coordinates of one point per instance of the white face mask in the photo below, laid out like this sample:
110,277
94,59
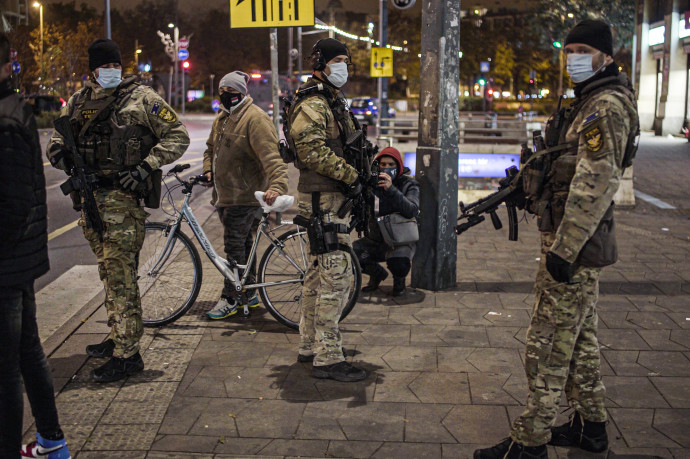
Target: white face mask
109,78
338,76
580,67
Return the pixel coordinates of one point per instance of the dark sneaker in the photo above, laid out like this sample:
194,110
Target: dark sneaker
341,371
102,350
310,358
118,368
578,432
508,449
47,449
378,275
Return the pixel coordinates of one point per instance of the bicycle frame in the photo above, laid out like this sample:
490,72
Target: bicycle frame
228,268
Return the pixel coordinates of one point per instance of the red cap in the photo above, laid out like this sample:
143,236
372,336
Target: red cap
395,154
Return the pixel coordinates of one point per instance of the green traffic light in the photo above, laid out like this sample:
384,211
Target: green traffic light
482,81
557,44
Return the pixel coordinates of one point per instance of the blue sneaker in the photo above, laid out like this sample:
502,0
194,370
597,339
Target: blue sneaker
47,449
253,301
223,309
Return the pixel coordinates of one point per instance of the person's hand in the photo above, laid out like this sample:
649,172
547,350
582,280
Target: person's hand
385,181
209,179
560,269
353,190
132,178
58,160
270,197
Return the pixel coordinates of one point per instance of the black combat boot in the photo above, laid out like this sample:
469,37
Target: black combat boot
398,286
102,350
581,433
508,449
118,368
341,371
377,274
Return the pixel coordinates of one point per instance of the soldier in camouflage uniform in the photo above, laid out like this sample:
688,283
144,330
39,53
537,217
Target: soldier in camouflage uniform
592,145
126,132
319,124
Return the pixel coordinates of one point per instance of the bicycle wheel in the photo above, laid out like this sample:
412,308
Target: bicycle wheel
283,301
169,279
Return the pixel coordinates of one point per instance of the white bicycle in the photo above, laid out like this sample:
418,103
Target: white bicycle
170,273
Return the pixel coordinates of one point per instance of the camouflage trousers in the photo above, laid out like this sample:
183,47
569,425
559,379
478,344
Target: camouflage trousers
326,289
118,259
562,353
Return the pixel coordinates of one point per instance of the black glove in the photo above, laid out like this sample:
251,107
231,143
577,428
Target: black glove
353,190
560,270
131,179
58,159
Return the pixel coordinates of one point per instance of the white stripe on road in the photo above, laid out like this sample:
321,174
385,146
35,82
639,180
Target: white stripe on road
652,200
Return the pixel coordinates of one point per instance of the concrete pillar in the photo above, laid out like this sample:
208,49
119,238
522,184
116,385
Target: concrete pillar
434,265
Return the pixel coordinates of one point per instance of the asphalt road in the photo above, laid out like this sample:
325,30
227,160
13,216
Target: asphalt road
66,244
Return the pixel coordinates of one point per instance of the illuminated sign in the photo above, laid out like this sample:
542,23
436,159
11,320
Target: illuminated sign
271,13
477,165
656,35
683,30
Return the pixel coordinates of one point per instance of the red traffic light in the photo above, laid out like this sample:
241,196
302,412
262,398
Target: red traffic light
490,91
185,65
531,81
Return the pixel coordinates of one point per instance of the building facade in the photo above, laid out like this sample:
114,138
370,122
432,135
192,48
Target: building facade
662,64
12,14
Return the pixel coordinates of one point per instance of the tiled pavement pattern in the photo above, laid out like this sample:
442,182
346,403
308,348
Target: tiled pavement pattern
446,374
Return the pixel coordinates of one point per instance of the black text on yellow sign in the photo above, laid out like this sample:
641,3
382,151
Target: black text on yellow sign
271,13
381,62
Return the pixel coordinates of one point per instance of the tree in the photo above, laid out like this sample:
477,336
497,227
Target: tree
503,64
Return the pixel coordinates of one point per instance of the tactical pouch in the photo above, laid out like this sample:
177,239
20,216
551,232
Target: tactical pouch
534,176
152,198
322,238
601,249
132,152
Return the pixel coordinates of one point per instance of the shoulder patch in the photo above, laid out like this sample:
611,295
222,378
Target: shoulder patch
594,139
155,108
167,115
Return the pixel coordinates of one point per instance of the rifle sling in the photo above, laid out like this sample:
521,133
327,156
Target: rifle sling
539,154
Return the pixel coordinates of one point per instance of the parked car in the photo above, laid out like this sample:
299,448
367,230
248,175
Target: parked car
367,109
44,103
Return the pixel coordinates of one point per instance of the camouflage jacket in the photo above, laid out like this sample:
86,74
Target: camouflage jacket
145,108
600,130
315,132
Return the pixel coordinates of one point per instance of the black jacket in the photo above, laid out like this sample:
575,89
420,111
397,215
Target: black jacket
23,225
402,197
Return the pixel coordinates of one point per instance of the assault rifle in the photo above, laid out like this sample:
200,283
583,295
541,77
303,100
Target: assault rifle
81,179
359,153
510,193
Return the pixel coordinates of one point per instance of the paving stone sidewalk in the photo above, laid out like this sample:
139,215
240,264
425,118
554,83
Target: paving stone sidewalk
446,374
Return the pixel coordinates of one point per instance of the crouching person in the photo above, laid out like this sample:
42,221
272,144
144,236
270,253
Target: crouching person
393,228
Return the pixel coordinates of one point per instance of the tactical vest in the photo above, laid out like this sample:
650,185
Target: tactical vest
311,181
107,144
548,199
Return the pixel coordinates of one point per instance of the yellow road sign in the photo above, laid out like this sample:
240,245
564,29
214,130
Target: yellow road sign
381,62
271,13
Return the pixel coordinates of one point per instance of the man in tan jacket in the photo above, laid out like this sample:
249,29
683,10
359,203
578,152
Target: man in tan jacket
241,158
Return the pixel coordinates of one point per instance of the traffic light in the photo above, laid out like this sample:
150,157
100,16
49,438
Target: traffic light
481,81
185,65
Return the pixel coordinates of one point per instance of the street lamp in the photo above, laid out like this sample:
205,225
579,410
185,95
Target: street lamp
40,13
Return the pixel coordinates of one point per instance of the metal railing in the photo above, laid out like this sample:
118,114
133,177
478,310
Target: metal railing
473,127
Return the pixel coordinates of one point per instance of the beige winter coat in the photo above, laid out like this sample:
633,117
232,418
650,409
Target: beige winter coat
242,153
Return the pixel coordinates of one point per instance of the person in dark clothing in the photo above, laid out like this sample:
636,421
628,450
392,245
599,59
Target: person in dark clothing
23,258
397,192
